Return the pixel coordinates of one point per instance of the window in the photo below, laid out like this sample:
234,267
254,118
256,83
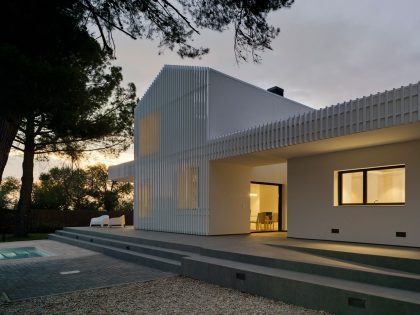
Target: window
150,134
144,196
380,185
386,185
352,184
188,188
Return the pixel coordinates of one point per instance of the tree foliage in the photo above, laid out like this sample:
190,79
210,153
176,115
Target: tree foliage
175,23
9,193
44,35
60,188
61,95
77,104
67,189
76,94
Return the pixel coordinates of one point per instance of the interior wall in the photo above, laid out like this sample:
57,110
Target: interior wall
269,198
263,198
254,201
311,195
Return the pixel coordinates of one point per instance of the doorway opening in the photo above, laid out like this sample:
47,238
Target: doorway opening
266,207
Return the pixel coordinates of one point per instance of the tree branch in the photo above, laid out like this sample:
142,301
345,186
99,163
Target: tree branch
90,7
83,150
98,23
181,16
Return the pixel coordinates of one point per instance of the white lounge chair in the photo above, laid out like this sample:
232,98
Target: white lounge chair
117,221
102,220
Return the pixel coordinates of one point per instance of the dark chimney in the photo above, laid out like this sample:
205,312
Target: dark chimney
276,90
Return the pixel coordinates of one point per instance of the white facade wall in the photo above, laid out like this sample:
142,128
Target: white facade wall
229,198
312,213
237,105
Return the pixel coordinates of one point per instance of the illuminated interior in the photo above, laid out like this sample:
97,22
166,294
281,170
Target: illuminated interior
382,185
264,202
386,186
352,187
144,202
150,134
188,188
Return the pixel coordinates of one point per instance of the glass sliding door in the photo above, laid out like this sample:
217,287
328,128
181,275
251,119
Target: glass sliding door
265,205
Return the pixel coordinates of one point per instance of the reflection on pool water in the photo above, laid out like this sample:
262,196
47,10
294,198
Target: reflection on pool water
21,252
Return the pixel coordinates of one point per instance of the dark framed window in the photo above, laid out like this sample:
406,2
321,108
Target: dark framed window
383,185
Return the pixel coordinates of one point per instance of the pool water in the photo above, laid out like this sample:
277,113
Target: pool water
22,252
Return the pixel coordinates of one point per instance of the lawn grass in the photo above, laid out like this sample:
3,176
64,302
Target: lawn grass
29,237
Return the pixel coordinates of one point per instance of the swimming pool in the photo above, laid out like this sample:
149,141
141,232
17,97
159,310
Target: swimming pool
21,252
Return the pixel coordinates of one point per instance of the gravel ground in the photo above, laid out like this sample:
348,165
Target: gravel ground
175,295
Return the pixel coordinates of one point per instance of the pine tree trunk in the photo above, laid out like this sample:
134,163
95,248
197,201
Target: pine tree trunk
8,131
24,203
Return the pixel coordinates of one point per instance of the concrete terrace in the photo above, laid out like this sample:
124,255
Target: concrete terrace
270,244
344,278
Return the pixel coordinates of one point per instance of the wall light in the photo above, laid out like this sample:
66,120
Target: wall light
253,195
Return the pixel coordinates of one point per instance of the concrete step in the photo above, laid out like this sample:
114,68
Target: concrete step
145,241
336,269
332,285
157,262
140,248
309,290
406,264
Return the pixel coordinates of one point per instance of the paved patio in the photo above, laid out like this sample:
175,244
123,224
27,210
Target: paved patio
316,274
332,276
31,277
256,244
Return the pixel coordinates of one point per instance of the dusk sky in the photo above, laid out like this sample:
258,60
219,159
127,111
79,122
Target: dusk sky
328,51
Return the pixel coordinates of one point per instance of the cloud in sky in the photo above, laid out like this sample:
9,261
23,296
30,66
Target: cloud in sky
328,51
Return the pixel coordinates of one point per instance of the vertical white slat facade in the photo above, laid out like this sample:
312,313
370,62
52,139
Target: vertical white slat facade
400,106
179,97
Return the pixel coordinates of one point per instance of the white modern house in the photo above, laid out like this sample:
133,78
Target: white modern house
215,155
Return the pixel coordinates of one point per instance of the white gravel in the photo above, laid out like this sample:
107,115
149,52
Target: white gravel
175,295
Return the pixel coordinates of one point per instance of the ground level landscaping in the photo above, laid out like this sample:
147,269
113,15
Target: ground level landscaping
174,295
